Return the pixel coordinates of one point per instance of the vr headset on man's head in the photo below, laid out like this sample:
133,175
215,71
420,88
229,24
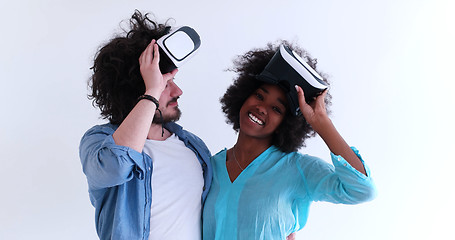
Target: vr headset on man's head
287,69
177,46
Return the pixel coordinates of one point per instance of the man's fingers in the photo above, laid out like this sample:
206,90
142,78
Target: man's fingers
147,55
156,53
170,75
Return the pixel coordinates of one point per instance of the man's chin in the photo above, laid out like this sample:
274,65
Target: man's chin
174,117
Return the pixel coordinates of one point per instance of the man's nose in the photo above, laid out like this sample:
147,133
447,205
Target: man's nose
175,90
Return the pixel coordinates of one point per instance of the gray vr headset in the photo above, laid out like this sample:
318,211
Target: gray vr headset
287,69
176,47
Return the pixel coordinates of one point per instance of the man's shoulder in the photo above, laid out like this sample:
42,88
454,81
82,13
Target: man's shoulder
106,128
191,135
187,136
179,131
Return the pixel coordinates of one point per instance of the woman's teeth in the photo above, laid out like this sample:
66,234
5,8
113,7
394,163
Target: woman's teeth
255,119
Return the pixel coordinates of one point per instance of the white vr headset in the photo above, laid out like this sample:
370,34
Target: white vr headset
176,47
287,69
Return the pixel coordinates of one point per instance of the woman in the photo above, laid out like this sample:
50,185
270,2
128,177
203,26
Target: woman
262,187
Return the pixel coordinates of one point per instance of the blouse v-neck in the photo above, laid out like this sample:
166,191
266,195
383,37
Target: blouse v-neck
248,170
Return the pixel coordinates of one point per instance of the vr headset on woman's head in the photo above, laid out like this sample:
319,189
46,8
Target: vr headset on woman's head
287,69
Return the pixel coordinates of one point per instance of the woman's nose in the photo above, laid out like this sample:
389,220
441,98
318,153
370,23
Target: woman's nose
261,109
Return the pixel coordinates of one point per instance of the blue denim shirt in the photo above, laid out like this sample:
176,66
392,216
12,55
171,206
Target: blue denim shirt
119,181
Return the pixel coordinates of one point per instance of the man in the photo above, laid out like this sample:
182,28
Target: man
146,175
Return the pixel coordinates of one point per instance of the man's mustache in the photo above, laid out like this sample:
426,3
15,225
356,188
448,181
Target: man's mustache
173,100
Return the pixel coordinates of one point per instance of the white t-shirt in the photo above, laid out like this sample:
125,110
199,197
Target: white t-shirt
177,182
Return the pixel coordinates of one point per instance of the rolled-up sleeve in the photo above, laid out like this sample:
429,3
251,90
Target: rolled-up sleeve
106,164
340,182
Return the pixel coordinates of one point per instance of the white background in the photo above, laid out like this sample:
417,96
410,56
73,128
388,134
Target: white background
391,64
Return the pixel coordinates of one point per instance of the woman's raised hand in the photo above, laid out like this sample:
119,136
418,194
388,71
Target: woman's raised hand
315,113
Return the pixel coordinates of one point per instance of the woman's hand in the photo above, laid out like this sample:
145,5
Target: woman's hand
154,81
315,113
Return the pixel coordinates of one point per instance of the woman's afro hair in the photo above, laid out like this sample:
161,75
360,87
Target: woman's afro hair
293,131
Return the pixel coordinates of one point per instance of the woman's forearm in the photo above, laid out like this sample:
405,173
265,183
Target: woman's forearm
338,145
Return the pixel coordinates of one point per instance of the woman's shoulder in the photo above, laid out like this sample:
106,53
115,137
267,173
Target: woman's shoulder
305,160
219,155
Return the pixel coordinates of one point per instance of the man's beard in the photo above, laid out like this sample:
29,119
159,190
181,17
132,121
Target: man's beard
167,118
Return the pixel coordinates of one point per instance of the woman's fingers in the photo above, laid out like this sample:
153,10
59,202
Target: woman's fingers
321,98
304,107
315,111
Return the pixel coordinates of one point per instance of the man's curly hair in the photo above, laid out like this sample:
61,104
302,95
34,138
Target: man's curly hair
116,82
293,131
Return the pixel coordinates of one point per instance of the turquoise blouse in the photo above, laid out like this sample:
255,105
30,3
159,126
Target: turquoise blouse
270,198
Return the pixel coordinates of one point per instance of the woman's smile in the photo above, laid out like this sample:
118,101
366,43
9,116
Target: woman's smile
255,119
